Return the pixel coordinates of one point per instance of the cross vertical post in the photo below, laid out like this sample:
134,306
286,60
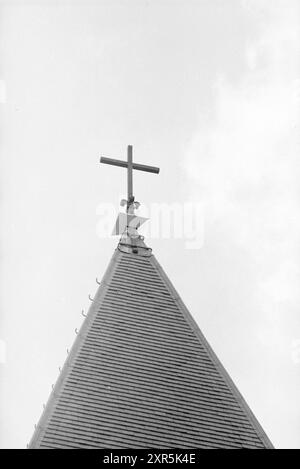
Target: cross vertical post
130,197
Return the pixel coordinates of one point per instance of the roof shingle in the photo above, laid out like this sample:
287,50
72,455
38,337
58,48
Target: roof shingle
141,374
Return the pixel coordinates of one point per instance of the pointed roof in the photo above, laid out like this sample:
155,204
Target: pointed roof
141,374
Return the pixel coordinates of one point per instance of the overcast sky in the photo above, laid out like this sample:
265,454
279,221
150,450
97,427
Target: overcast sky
208,90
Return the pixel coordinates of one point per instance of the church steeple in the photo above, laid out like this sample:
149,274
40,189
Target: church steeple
140,373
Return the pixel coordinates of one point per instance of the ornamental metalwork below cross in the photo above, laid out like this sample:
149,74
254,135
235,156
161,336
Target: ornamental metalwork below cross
130,166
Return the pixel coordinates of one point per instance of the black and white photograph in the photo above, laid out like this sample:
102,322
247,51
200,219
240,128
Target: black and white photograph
150,227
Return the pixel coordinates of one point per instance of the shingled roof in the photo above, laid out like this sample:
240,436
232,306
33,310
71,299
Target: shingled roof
141,374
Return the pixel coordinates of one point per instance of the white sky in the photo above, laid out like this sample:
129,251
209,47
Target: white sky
209,91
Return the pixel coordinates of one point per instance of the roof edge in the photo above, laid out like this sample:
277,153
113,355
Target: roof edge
257,426
35,440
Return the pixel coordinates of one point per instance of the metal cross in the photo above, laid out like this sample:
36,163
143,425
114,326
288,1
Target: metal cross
130,166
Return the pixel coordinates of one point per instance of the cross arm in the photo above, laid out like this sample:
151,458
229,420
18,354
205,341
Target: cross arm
124,164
